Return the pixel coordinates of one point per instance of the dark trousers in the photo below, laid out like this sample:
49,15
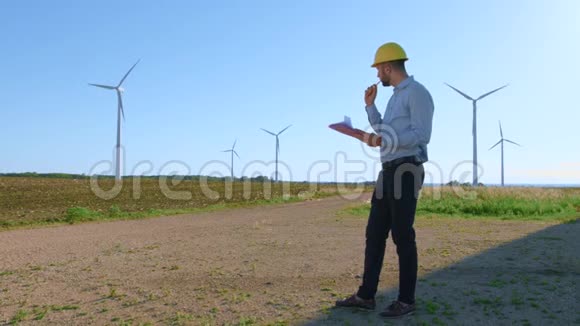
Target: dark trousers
393,207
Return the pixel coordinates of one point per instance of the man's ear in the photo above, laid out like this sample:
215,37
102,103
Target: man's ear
388,68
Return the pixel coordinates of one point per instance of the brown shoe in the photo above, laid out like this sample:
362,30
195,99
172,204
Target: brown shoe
398,309
356,302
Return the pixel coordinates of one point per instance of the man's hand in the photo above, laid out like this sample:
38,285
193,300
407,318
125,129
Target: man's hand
372,140
371,95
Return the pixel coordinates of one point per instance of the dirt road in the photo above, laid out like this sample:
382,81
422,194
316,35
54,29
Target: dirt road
287,264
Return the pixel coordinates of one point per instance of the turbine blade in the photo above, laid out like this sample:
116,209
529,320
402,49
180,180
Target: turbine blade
500,131
460,92
509,141
227,150
488,93
236,154
234,145
277,146
271,133
127,74
103,86
284,129
495,145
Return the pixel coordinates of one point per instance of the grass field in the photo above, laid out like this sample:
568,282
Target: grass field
35,201
561,204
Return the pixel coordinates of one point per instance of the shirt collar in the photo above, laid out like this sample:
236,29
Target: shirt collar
404,83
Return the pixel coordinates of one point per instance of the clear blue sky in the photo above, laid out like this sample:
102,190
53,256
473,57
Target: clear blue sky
213,72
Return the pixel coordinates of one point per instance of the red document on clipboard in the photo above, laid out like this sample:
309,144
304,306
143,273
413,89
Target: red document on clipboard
345,127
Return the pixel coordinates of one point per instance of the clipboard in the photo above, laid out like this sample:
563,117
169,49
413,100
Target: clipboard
345,127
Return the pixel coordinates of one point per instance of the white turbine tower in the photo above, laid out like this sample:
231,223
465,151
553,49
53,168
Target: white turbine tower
277,147
233,152
120,112
474,128
501,141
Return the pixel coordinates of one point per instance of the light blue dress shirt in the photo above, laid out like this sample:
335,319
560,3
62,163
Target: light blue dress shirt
406,126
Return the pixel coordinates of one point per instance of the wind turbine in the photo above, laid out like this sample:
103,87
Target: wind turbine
474,128
120,112
233,152
277,147
501,141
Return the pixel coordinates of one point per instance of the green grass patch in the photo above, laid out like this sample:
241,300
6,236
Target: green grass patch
494,302
63,308
431,307
80,214
19,317
495,203
180,318
40,315
246,321
496,283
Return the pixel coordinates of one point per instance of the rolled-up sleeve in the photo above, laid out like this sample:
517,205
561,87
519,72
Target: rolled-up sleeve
421,109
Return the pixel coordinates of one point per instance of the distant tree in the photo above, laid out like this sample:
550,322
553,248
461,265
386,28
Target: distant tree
260,178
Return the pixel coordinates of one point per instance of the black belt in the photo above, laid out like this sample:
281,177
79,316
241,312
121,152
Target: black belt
399,161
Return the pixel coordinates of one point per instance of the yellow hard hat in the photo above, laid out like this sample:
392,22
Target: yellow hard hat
389,52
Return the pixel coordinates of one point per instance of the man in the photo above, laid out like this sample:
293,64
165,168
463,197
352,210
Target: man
403,134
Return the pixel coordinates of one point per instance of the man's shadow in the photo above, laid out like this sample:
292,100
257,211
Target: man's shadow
529,281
